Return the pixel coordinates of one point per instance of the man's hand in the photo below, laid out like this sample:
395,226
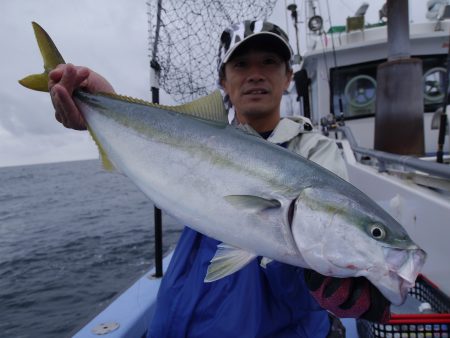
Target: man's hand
348,297
63,81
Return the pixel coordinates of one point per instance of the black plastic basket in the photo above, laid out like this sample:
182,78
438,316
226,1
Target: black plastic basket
435,325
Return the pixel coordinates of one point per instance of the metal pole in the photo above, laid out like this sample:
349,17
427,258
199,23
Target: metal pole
443,122
399,94
157,211
154,80
399,46
158,243
294,15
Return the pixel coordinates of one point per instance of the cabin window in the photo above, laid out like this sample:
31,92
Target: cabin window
356,85
434,72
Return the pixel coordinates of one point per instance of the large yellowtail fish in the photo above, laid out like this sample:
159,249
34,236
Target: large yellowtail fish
257,198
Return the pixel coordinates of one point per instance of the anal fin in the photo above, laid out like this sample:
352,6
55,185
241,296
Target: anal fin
107,164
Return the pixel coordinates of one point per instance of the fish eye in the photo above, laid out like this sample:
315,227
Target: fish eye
377,231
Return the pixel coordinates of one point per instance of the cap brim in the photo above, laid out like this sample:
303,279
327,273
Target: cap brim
262,40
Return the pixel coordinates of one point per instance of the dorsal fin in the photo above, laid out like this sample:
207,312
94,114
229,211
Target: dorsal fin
209,107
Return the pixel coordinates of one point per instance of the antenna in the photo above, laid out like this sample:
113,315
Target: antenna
294,16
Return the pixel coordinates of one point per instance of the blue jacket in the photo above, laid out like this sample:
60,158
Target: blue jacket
253,302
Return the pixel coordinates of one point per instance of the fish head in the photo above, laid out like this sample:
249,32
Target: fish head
346,234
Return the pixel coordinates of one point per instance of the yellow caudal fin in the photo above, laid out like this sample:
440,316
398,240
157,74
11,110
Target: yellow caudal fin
51,57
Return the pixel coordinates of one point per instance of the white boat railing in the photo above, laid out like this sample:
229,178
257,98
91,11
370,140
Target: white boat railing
384,158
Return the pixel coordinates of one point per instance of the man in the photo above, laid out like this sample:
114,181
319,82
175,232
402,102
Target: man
262,299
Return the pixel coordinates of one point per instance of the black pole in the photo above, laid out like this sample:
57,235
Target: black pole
158,243
443,122
441,138
156,68
157,212
302,87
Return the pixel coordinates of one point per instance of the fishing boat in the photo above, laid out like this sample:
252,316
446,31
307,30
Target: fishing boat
357,94
380,91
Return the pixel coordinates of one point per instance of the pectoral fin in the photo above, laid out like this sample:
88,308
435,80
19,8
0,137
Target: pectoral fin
252,203
227,260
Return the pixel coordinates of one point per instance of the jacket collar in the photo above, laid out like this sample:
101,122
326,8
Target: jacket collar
288,128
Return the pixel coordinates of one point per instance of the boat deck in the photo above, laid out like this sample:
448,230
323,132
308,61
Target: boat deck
130,314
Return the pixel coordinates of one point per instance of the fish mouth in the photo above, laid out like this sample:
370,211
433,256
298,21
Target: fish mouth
403,268
405,263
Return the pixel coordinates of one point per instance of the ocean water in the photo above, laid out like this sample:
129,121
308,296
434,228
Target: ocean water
72,237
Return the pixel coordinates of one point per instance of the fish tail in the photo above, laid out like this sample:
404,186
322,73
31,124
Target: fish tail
51,57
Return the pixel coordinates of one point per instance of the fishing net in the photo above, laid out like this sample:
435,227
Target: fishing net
184,40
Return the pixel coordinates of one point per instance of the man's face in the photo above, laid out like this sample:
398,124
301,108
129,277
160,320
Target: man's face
255,81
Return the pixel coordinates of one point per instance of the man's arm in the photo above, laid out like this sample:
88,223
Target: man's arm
63,81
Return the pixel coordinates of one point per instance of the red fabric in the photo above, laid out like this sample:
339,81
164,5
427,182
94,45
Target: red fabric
340,296
386,315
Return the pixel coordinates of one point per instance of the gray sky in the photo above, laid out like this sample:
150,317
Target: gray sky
109,36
